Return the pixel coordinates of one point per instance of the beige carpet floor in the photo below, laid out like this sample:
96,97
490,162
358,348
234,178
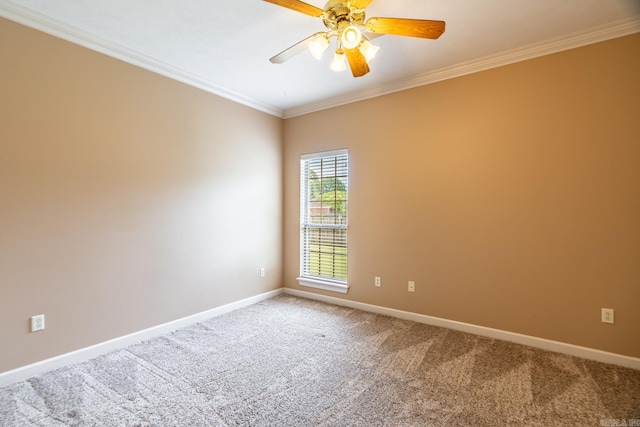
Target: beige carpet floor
290,361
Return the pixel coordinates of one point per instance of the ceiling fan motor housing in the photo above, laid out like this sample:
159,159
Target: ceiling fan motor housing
339,15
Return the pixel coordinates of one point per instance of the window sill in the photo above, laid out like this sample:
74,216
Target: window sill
326,285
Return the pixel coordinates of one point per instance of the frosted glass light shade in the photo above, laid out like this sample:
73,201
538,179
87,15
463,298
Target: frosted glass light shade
339,62
318,46
368,50
351,37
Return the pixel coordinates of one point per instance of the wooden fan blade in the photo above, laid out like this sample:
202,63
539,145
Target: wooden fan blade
292,51
360,4
298,6
357,62
406,27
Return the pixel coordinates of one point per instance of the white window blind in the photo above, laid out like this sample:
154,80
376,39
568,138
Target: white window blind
324,208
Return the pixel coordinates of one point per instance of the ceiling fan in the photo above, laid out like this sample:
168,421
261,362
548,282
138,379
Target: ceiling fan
345,20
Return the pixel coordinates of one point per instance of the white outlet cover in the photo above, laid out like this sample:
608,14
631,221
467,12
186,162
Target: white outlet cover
37,323
607,315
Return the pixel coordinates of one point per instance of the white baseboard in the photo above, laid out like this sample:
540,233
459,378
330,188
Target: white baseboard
545,344
80,355
96,350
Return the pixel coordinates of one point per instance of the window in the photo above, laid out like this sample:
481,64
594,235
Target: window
324,179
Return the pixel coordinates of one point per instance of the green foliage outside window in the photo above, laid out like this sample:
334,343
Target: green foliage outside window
331,191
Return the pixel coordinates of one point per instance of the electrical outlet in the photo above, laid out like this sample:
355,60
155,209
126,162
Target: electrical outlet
262,272
412,286
607,315
377,282
37,323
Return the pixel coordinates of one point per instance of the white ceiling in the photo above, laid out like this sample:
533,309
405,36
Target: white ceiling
224,46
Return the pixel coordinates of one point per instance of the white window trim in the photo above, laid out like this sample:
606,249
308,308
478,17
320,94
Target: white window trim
317,282
324,154
325,284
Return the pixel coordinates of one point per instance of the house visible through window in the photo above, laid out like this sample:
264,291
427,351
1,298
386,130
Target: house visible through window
324,204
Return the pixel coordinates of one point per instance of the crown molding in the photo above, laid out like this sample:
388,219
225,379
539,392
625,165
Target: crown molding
58,29
66,32
595,35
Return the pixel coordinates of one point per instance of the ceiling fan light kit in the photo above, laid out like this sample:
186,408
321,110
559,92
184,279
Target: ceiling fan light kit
345,20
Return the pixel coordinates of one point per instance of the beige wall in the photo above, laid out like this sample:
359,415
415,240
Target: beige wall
511,197
126,199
